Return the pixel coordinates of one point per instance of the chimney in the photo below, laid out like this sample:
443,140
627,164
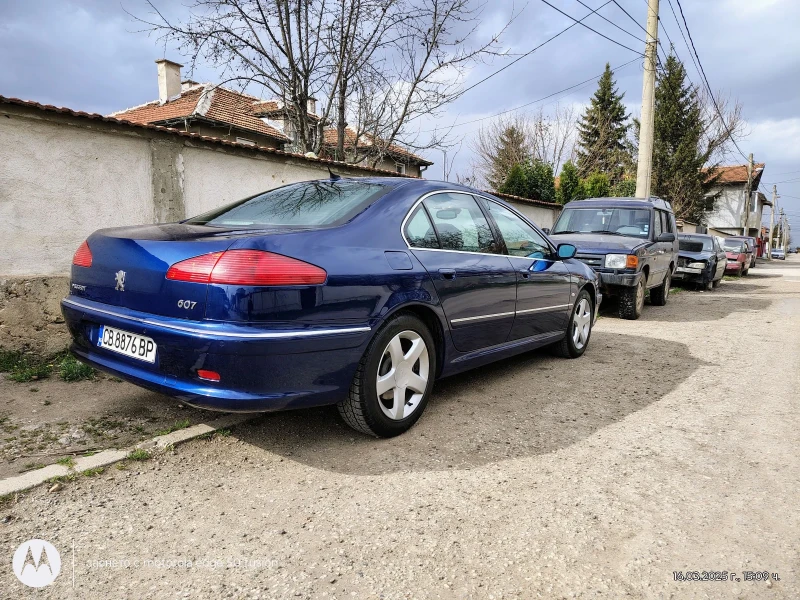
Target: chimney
311,106
169,79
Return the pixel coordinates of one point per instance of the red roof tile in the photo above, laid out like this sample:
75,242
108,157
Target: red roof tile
734,174
331,139
210,102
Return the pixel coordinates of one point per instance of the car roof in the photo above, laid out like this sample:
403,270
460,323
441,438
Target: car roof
652,202
701,235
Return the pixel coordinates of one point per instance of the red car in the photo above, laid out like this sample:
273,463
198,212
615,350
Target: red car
738,260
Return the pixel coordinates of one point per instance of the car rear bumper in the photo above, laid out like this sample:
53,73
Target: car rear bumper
273,367
736,267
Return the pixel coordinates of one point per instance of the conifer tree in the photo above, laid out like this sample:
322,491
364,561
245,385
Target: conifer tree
569,184
603,131
678,157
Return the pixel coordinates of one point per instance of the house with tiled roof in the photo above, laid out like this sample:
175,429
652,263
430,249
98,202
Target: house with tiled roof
393,157
729,191
216,111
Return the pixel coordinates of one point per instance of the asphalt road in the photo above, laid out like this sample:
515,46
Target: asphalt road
672,445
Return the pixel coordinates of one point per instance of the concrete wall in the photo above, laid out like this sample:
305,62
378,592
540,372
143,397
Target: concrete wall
542,216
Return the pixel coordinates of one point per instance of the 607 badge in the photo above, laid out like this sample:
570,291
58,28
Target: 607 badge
725,576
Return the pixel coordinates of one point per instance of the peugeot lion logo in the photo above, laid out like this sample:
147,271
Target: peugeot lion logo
36,563
120,275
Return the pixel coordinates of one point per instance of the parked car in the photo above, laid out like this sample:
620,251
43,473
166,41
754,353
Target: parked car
778,253
701,260
629,242
752,245
736,252
355,292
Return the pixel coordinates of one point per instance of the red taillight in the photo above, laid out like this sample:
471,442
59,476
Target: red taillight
83,256
208,375
197,269
247,267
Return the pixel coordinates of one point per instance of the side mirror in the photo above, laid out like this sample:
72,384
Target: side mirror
566,250
666,237
546,230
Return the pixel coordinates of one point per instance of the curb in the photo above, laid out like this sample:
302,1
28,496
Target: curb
36,477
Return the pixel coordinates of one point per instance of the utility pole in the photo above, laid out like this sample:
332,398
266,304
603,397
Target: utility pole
748,193
771,220
444,164
644,168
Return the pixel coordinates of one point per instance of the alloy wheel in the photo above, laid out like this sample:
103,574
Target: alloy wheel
581,323
403,374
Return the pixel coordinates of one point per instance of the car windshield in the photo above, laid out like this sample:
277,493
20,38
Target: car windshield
308,204
634,222
691,243
733,245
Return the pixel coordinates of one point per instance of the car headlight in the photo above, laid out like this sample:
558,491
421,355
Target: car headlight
616,261
697,265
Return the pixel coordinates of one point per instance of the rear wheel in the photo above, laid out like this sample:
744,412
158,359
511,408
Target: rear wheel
393,381
659,295
631,301
579,329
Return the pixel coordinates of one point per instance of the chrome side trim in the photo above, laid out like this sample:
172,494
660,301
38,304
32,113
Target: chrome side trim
264,335
495,315
543,309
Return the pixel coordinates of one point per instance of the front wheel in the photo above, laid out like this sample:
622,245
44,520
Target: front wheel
579,329
631,301
393,381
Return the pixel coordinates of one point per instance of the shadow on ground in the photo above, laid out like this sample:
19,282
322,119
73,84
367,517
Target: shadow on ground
528,405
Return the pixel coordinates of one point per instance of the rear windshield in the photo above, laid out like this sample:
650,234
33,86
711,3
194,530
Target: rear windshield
695,244
307,204
733,245
634,222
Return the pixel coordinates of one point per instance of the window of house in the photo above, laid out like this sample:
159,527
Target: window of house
400,168
241,140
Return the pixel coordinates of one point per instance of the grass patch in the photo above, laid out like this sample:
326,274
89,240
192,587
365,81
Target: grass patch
71,369
92,472
33,465
177,426
223,432
139,454
63,478
24,367
66,461
732,277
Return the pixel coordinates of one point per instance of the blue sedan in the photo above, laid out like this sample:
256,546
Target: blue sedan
354,292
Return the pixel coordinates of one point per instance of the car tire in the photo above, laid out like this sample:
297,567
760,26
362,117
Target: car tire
410,374
631,301
745,272
708,284
660,294
579,328
716,282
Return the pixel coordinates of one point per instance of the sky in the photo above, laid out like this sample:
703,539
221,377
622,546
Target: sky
91,55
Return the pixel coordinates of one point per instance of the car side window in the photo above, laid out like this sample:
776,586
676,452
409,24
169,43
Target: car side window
419,230
668,228
657,224
521,239
460,224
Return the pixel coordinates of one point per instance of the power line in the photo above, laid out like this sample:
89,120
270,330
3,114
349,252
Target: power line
705,79
612,22
567,89
613,41
519,58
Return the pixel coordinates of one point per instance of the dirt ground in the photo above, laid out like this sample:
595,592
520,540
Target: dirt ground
672,445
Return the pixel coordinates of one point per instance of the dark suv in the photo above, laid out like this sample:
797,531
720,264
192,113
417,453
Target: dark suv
630,242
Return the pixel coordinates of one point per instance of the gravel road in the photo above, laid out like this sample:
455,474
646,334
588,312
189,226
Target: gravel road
672,445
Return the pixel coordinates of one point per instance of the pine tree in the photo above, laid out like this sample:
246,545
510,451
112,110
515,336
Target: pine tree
677,156
512,147
539,181
569,184
515,183
603,131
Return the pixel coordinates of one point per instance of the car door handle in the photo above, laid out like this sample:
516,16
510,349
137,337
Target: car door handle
448,273
525,274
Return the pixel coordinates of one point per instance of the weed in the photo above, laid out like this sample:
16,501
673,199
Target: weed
122,465
92,472
177,426
66,461
71,369
63,478
139,454
90,453
33,465
9,359
223,432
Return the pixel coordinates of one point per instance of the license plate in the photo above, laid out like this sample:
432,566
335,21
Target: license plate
129,344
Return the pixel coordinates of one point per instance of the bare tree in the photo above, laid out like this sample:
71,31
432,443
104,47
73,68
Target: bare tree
723,122
516,138
380,63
